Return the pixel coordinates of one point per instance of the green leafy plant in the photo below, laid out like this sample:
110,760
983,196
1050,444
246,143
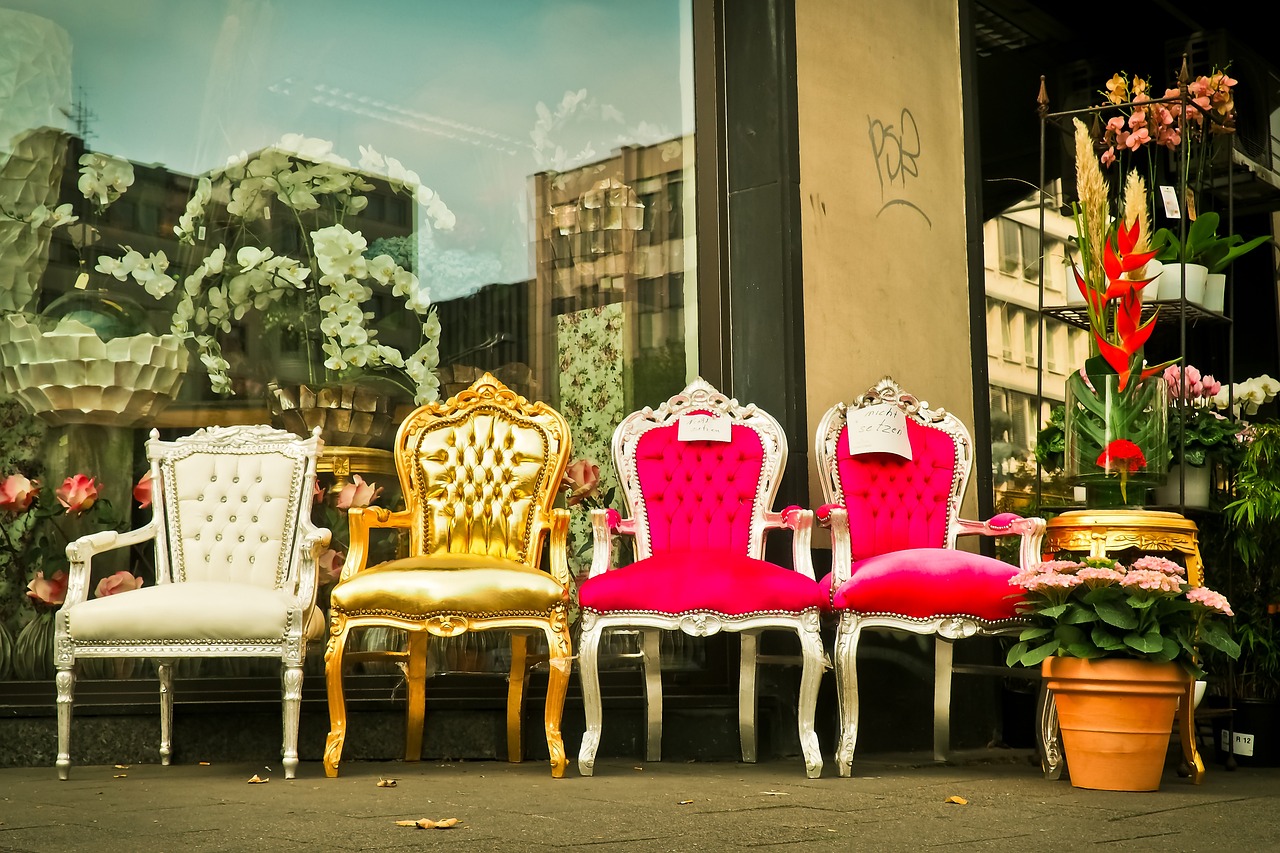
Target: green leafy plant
1252,523
1203,245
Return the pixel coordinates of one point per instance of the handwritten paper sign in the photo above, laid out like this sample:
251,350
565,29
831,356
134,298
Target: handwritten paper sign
704,428
878,429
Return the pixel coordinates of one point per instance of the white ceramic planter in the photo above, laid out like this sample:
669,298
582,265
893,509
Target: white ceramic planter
1170,282
1197,485
1215,291
71,376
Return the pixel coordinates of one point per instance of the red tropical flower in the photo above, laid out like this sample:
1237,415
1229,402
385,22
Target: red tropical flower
1124,457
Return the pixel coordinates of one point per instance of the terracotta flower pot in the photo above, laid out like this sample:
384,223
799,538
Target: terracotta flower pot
1116,715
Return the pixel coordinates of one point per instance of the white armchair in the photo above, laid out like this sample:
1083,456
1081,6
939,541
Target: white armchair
235,557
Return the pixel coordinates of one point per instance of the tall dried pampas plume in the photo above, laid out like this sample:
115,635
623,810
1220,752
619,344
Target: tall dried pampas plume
1091,216
1137,209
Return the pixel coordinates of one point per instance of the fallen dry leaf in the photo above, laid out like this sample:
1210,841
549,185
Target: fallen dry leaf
426,823
256,780
959,801
386,783
683,802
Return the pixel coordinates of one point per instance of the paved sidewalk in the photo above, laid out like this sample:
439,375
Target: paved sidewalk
891,803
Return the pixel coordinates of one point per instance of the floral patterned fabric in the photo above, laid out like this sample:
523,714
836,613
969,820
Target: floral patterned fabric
589,347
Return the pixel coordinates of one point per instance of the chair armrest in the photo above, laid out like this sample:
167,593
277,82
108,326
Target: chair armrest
1031,529
311,541
361,520
604,523
560,546
800,521
835,518
80,554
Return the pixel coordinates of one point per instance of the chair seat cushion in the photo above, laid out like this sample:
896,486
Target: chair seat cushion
186,612
676,582
448,583
928,582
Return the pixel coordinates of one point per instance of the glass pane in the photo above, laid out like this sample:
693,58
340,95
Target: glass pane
312,193
1031,253
1010,251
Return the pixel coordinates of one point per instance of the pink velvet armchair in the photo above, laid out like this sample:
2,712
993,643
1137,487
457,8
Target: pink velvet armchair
894,523
699,475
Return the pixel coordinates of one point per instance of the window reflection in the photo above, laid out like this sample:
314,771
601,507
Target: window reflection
560,136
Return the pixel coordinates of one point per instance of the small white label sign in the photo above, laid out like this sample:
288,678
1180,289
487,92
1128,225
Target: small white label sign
881,428
1243,743
1170,198
704,428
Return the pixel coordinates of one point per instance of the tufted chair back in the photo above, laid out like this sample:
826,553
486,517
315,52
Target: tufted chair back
699,495
231,499
895,503
480,473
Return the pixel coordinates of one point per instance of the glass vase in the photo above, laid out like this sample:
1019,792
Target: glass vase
1117,439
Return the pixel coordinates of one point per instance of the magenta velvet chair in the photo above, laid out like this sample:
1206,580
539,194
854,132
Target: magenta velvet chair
700,507
894,524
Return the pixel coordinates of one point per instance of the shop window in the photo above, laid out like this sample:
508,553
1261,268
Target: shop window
530,171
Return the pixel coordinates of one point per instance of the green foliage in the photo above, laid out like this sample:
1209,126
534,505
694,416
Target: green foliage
1051,441
1203,245
1203,434
1252,523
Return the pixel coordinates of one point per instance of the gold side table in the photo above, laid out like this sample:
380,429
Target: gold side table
1101,532
342,462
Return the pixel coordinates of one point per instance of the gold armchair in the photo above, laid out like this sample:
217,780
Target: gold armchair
479,474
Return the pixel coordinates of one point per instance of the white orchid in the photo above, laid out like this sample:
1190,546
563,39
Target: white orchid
104,178
326,281
1246,398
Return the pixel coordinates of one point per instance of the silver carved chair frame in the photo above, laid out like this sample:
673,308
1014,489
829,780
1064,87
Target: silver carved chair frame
945,627
235,558
700,396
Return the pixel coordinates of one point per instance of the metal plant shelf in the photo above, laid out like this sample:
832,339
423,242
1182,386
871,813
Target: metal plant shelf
1172,309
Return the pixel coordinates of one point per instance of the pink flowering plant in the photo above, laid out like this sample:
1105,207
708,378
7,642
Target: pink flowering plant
1197,432
1099,608
36,525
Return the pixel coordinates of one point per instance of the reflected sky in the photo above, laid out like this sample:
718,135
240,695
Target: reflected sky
470,95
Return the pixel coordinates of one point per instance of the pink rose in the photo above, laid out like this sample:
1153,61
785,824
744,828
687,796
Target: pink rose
142,491
17,493
331,565
582,478
119,582
51,591
77,493
358,493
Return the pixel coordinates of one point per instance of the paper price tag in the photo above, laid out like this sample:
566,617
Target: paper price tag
878,429
704,428
1170,198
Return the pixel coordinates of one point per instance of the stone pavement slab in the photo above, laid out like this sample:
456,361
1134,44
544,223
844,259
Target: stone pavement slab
891,803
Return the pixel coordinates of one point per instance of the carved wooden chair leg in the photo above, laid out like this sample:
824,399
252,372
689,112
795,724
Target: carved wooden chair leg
747,697
415,717
559,646
652,659
515,696
337,703
588,647
66,684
